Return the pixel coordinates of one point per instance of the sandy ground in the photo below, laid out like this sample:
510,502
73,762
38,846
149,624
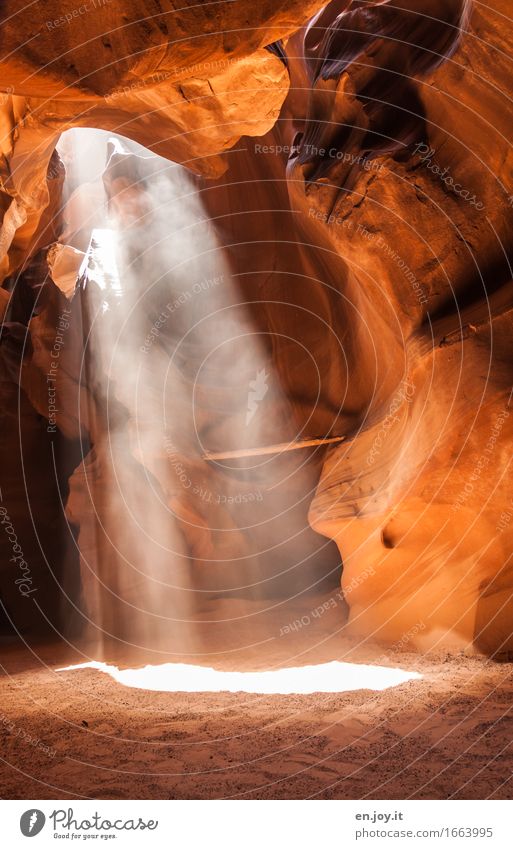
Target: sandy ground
82,734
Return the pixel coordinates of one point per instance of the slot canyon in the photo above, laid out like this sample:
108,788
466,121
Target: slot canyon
256,357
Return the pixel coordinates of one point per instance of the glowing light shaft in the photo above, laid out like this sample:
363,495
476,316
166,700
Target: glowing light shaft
100,260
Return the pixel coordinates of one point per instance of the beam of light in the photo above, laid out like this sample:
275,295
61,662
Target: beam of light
172,358
101,259
333,677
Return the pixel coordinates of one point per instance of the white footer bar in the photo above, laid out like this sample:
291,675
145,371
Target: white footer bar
257,824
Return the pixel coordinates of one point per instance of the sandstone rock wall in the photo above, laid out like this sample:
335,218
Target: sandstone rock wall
358,181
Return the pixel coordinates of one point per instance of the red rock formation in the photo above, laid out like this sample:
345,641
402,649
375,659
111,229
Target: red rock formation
363,221
417,494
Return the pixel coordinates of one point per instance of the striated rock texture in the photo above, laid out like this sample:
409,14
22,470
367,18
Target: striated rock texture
420,495
64,50
354,214
186,80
